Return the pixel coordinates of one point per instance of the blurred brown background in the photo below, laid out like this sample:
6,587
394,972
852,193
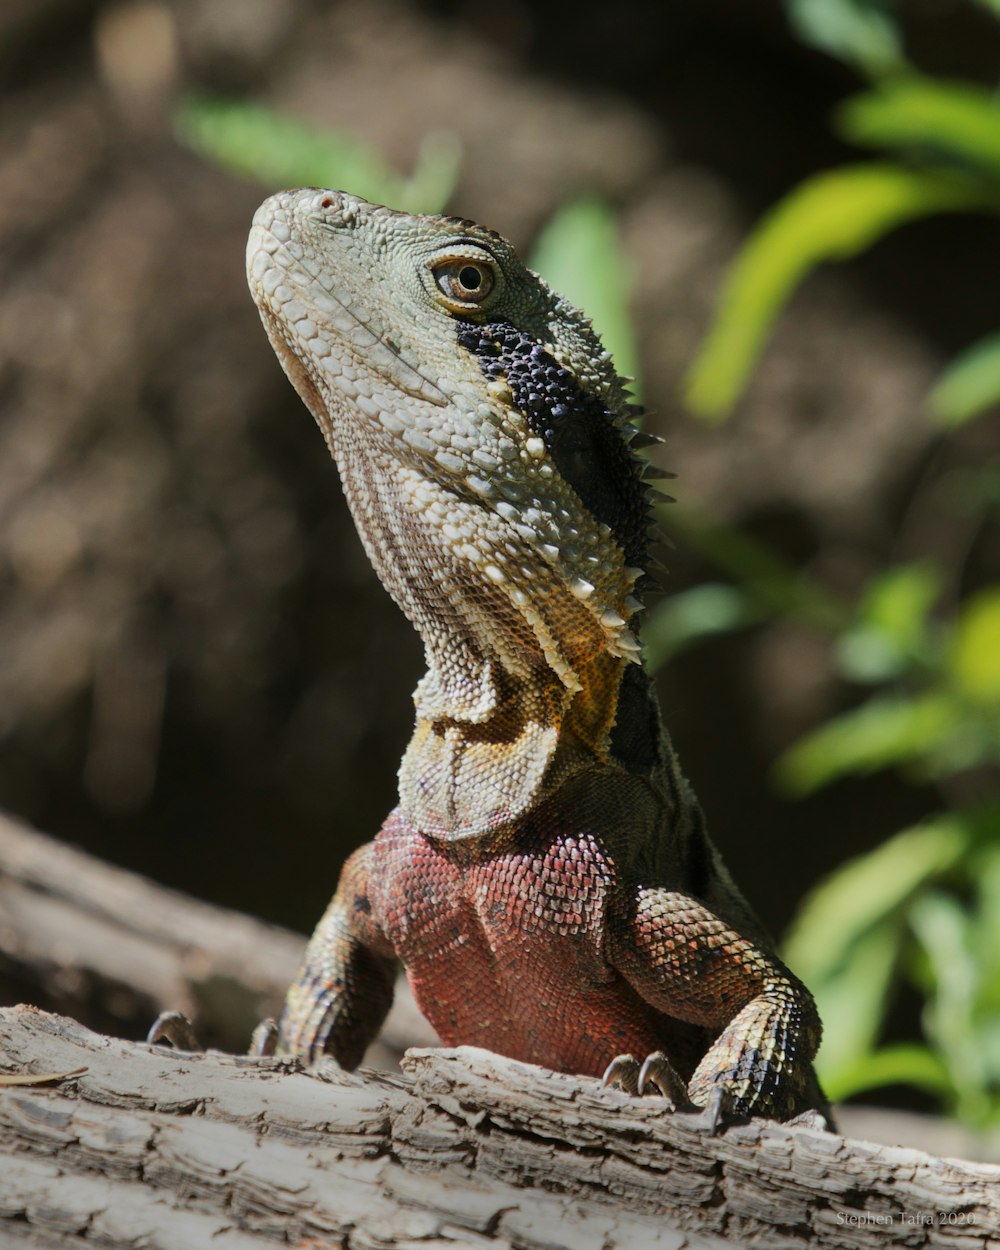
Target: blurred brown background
201,677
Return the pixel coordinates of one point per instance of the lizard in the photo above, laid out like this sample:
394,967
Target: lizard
546,879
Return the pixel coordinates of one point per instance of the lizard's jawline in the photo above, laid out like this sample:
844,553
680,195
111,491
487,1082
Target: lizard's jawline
417,386
295,367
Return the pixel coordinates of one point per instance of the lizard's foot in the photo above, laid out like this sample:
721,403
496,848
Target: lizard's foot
624,1072
174,1027
661,1074
658,1075
720,1109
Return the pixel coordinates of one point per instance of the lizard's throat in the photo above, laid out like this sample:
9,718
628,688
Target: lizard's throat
497,726
521,686
463,778
511,704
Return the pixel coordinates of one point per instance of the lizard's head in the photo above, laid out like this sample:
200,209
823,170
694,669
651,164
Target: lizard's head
483,440
427,339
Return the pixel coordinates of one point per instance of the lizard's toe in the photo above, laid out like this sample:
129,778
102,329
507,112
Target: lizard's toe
264,1038
173,1027
656,1075
660,1073
622,1073
720,1109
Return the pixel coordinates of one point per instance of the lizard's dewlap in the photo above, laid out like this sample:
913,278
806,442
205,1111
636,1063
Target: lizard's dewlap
546,879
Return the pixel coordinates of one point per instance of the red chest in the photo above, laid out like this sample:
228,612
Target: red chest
504,948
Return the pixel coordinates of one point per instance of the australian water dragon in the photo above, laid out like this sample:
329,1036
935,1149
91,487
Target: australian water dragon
546,879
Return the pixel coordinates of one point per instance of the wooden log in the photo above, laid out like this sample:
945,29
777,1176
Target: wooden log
81,928
85,937
162,1149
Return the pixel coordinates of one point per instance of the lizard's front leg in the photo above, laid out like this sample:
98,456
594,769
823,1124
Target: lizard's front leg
343,991
691,965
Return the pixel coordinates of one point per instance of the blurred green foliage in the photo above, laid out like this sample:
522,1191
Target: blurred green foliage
832,216
279,152
945,137
861,32
924,907
580,253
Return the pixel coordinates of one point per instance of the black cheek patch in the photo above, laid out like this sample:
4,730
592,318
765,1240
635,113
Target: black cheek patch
587,447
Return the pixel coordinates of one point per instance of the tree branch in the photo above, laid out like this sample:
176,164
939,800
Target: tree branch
86,938
467,1149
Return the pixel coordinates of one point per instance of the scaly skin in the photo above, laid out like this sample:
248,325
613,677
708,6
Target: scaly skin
546,879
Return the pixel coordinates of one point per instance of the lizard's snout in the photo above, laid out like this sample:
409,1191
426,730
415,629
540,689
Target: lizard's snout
296,217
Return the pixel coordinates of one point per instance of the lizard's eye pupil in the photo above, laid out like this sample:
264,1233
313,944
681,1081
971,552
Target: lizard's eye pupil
464,282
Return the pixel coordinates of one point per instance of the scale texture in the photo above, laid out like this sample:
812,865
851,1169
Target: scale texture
546,879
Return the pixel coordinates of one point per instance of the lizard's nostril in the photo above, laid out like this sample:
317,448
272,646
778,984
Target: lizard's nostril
326,201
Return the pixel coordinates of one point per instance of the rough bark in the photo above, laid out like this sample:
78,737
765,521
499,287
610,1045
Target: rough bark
161,1149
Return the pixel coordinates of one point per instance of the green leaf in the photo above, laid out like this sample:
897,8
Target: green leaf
846,941
958,121
974,661
853,998
580,254
903,1064
892,623
831,216
686,618
865,654
944,931
970,385
870,889
897,602
860,32
281,152
888,729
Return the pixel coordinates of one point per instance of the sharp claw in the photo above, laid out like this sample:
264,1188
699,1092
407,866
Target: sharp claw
264,1038
173,1027
718,1110
660,1072
623,1072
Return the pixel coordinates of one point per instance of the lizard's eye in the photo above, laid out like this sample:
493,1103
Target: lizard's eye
464,282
